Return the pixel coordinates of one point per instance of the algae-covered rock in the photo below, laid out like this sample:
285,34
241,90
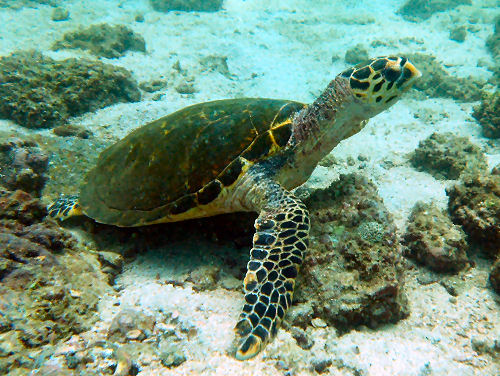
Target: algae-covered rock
216,63
433,240
437,82
488,115
446,156
49,289
493,41
458,34
356,55
38,91
187,5
60,14
71,130
352,274
418,10
474,204
103,40
22,166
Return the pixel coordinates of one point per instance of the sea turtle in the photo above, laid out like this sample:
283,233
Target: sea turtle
239,155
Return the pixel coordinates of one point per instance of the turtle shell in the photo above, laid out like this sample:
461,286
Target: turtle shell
184,160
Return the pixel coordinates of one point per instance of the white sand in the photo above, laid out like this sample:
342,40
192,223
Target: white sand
284,49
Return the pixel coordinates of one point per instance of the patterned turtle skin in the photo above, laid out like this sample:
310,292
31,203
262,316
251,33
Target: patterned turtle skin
239,155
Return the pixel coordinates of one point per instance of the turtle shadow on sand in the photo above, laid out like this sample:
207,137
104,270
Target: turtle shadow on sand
218,244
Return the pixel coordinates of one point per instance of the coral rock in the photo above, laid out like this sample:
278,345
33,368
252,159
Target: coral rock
437,82
22,166
48,291
488,115
20,206
103,40
39,92
446,156
352,274
475,204
493,41
433,240
418,10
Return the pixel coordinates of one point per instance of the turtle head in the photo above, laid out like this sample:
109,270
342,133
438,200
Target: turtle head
379,83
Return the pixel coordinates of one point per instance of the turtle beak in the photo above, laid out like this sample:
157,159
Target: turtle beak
408,76
415,73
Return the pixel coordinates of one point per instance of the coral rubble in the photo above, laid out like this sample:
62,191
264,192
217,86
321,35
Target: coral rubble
433,240
418,10
38,91
187,5
474,203
103,40
446,156
22,166
488,115
352,274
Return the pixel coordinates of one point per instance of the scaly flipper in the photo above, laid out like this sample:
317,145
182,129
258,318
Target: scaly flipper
281,238
65,207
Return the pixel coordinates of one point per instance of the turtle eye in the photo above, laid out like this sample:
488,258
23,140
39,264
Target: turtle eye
392,73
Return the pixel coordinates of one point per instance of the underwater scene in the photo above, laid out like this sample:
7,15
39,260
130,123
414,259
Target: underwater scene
249,187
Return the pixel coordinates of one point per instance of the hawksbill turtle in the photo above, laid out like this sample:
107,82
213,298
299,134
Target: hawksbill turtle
239,155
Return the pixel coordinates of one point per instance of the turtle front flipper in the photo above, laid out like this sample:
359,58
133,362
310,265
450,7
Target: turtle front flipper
281,238
65,207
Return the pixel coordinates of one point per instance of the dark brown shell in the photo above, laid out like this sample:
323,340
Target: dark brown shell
172,161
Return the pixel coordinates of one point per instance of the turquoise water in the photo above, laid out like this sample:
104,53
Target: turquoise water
379,117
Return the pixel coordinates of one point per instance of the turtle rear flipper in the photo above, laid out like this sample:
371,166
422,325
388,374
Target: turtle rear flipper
65,207
279,244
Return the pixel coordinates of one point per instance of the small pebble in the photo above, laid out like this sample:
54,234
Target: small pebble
458,34
318,323
363,157
320,365
303,340
60,14
172,355
186,88
134,334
